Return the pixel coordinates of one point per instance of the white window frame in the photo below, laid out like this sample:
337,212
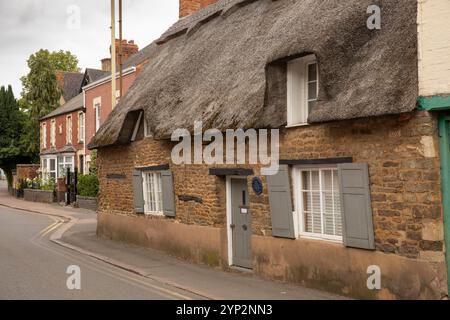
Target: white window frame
53,133
155,195
147,133
118,97
298,202
44,135
97,112
64,164
141,117
69,122
136,126
87,163
46,168
81,125
297,90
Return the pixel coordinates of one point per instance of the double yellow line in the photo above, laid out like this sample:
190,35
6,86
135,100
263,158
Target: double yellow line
50,228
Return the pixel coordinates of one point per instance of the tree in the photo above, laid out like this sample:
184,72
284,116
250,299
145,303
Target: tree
64,60
40,91
11,129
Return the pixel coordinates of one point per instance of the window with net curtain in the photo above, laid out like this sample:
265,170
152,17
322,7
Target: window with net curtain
152,193
320,204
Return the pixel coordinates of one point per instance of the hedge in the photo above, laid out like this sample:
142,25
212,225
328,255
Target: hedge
88,185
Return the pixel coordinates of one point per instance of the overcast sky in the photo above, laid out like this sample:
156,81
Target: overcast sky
29,25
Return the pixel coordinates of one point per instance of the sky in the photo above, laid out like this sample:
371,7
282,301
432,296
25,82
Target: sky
80,26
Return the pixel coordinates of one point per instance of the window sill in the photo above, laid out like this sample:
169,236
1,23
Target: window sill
330,239
297,125
154,214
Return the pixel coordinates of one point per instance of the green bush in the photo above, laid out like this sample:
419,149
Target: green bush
49,185
88,185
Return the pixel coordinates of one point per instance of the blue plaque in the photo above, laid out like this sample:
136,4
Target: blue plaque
257,186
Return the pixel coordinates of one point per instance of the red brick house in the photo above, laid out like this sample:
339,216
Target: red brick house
360,190
62,132
98,93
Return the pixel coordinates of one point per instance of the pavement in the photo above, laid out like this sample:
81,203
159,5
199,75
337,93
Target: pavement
40,239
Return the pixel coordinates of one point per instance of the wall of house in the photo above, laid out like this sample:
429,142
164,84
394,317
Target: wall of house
402,153
61,137
434,47
103,92
61,127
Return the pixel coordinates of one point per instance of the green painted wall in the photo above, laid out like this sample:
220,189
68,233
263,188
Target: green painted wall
444,138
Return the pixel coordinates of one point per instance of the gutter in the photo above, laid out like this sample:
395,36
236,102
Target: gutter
434,103
108,79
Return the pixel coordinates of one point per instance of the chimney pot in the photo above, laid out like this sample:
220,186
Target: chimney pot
128,49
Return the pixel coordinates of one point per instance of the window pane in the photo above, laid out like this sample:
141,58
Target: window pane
150,190
328,215
321,202
312,72
306,182
337,213
315,184
327,176
307,201
316,214
313,217
158,191
312,91
52,164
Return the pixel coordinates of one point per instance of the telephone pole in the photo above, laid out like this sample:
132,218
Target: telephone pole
113,54
120,50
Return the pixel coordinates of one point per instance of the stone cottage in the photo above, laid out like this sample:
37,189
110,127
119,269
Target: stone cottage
358,192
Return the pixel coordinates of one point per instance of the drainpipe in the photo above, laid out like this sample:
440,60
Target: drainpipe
120,50
113,54
444,141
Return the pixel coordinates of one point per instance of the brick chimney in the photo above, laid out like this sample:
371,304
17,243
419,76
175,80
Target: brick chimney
60,78
128,49
106,64
188,7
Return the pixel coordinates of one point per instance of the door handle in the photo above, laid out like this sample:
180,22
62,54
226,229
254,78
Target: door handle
232,226
244,227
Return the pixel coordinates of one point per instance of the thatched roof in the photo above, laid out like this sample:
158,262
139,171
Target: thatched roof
226,65
139,57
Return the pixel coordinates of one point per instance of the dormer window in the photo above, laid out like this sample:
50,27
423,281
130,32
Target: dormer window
302,89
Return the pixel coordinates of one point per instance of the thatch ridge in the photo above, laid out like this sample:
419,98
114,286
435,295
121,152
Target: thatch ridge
229,72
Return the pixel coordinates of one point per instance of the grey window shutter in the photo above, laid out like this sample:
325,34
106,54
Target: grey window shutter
168,194
356,206
138,192
279,190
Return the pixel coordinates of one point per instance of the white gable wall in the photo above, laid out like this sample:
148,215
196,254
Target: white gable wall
434,47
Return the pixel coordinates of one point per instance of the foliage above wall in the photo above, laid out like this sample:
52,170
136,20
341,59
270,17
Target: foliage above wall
40,91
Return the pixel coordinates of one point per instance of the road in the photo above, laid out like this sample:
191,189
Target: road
33,267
